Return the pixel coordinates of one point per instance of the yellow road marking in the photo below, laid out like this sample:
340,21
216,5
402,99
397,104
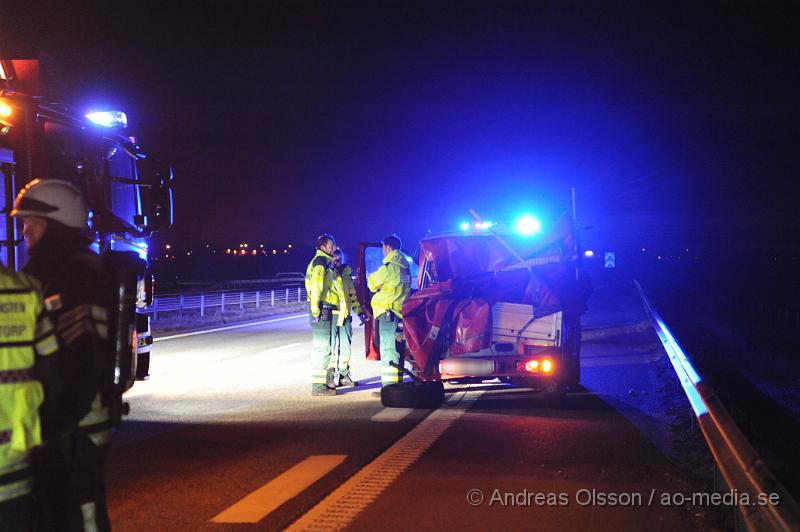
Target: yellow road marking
277,491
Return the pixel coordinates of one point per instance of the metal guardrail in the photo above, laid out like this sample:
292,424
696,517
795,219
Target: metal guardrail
226,300
737,460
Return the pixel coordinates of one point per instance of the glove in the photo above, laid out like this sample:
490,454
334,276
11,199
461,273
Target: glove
317,318
362,317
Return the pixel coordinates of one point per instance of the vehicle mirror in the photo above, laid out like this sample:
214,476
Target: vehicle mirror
155,182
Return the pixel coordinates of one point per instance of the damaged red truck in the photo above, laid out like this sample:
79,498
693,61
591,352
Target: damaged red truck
490,304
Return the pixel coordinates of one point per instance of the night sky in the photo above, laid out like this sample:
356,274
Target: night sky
677,126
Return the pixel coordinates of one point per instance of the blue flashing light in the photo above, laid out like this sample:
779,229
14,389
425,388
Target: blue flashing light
527,225
464,226
108,118
487,224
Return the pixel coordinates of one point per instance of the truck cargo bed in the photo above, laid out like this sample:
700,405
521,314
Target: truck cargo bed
511,322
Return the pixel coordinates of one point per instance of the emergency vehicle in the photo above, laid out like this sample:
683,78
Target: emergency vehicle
129,195
494,301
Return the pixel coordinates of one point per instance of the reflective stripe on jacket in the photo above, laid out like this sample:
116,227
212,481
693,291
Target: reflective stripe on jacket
97,423
24,333
319,282
391,284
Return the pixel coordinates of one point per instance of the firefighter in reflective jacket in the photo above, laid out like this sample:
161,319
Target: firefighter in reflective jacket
322,300
27,368
342,329
392,286
75,288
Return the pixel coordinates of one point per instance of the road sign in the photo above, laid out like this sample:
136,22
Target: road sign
610,259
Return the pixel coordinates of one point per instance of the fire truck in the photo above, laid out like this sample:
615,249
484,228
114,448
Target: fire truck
129,194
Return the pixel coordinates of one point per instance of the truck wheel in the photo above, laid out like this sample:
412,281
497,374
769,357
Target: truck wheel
143,366
573,379
426,394
554,394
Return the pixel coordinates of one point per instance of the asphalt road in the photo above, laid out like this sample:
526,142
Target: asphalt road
225,435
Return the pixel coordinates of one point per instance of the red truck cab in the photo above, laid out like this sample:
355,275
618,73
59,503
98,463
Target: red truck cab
490,305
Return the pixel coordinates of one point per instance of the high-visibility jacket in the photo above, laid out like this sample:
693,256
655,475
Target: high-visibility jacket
391,284
26,335
346,294
319,282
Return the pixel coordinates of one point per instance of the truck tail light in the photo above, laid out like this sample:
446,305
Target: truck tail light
536,365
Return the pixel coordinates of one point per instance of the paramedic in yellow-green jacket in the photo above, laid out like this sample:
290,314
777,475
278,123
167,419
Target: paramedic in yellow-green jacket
342,328
391,284
322,301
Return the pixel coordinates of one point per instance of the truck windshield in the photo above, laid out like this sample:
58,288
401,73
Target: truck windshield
77,157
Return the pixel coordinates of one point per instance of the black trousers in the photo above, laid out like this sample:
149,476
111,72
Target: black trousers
16,515
70,485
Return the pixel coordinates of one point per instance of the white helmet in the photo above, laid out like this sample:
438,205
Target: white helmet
53,199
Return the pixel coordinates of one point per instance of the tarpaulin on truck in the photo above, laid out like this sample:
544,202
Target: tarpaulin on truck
470,272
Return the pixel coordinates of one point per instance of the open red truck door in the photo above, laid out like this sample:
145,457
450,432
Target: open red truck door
368,259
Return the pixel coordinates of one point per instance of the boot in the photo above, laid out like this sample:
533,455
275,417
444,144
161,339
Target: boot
330,378
345,379
322,390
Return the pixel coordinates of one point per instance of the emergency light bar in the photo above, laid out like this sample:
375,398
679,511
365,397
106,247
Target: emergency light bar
525,225
109,118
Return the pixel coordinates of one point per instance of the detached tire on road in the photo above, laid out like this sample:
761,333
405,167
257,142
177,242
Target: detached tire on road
428,394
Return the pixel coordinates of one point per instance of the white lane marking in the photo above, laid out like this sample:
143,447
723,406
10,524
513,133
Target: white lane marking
391,414
280,347
184,335
266,352
340,508
277,491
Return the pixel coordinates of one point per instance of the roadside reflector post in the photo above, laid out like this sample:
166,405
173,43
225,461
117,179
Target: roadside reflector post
258,298
202,305
287,296
241,300
222,303
180,307
272,298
